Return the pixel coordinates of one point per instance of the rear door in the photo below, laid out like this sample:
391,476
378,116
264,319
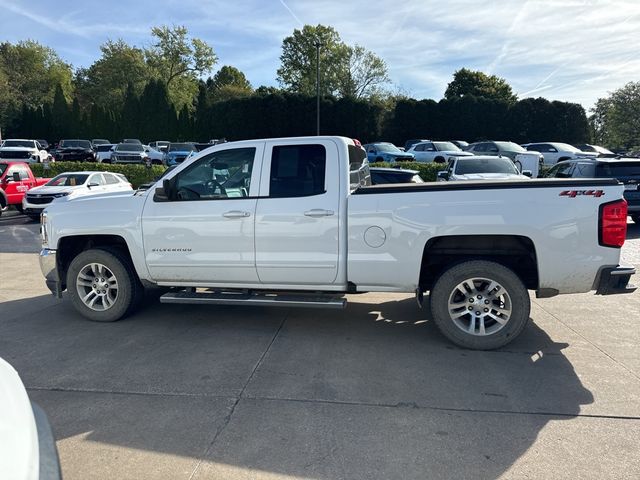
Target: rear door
297,216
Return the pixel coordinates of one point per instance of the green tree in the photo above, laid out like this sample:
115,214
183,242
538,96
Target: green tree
363,75
29,75
615,120
297,72
229,82
470,82
178,61
60,115
105,81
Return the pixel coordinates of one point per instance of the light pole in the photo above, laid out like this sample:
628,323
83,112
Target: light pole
317,45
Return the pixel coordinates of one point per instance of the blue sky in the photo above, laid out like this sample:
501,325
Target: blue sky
573,50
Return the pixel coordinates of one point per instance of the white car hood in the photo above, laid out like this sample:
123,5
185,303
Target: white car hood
46,190
19,450
18,149
489,176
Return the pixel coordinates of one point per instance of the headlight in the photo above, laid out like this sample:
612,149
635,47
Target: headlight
63,194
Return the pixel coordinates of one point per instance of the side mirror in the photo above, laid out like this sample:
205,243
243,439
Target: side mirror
16,177
527,173
163,194
443,176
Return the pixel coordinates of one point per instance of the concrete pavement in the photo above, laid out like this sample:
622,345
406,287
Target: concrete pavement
370,392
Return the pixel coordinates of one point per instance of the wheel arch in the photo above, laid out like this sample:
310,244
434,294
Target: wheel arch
512,251
69,247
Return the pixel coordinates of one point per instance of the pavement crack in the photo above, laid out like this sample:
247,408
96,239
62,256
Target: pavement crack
232,409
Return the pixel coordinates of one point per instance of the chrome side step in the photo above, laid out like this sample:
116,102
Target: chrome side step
261,299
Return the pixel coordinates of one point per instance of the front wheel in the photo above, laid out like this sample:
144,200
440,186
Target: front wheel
480,305
102,285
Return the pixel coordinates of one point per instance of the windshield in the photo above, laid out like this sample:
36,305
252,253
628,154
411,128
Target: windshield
105,147
510,147
75,144
129,147
181,147
18,143
67,180
485,165
618,169
387,147
442,146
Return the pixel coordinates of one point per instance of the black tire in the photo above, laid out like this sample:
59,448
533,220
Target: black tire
129,289
514,295
636,218
19,208
438,160
35,218
379,159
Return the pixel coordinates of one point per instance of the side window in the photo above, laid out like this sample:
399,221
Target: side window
428,147
564,171
481,147
492,148
536,147
297,171
584,170
23,172
419,147
110,179
550,149
97,179
224,174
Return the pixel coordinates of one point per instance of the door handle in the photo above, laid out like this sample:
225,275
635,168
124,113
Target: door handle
318,212
236,214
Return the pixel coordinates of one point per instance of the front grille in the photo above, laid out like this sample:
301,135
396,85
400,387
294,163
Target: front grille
39,199
128,158
15,154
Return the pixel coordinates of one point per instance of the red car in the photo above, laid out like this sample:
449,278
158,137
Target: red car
16,178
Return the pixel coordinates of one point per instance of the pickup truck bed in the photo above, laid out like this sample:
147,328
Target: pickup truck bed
293,222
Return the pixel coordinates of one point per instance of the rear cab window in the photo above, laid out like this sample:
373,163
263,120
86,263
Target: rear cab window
297,171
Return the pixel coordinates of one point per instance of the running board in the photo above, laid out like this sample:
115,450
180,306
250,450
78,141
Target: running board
257,299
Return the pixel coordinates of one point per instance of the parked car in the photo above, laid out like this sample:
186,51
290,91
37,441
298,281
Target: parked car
380,176
131,140
72,185
75,150
16,178
264,222
202,146
177,152
156,156
160,145
128,153
103,152
100,141
409,143
436,151
600,151
29,151
512,150
554,152
482,168
386,152
27,444
626,171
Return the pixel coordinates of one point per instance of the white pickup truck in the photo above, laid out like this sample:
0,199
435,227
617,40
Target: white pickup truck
294,222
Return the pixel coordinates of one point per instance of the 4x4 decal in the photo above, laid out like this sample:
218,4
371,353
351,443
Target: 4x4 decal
575,193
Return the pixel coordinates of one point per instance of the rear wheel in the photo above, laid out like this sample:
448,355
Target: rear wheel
102,285
480,305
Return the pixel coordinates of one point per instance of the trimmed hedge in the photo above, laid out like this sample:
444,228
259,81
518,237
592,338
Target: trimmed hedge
136,174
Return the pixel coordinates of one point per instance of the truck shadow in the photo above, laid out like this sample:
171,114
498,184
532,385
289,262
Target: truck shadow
373,391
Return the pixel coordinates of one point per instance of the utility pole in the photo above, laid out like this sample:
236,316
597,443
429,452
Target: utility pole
317,45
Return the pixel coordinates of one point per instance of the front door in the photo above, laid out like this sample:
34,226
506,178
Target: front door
297,217
206,233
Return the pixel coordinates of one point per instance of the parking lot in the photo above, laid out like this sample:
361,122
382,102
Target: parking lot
374,391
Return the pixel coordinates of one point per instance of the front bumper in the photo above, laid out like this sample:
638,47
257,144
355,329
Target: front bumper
49,268
614,280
